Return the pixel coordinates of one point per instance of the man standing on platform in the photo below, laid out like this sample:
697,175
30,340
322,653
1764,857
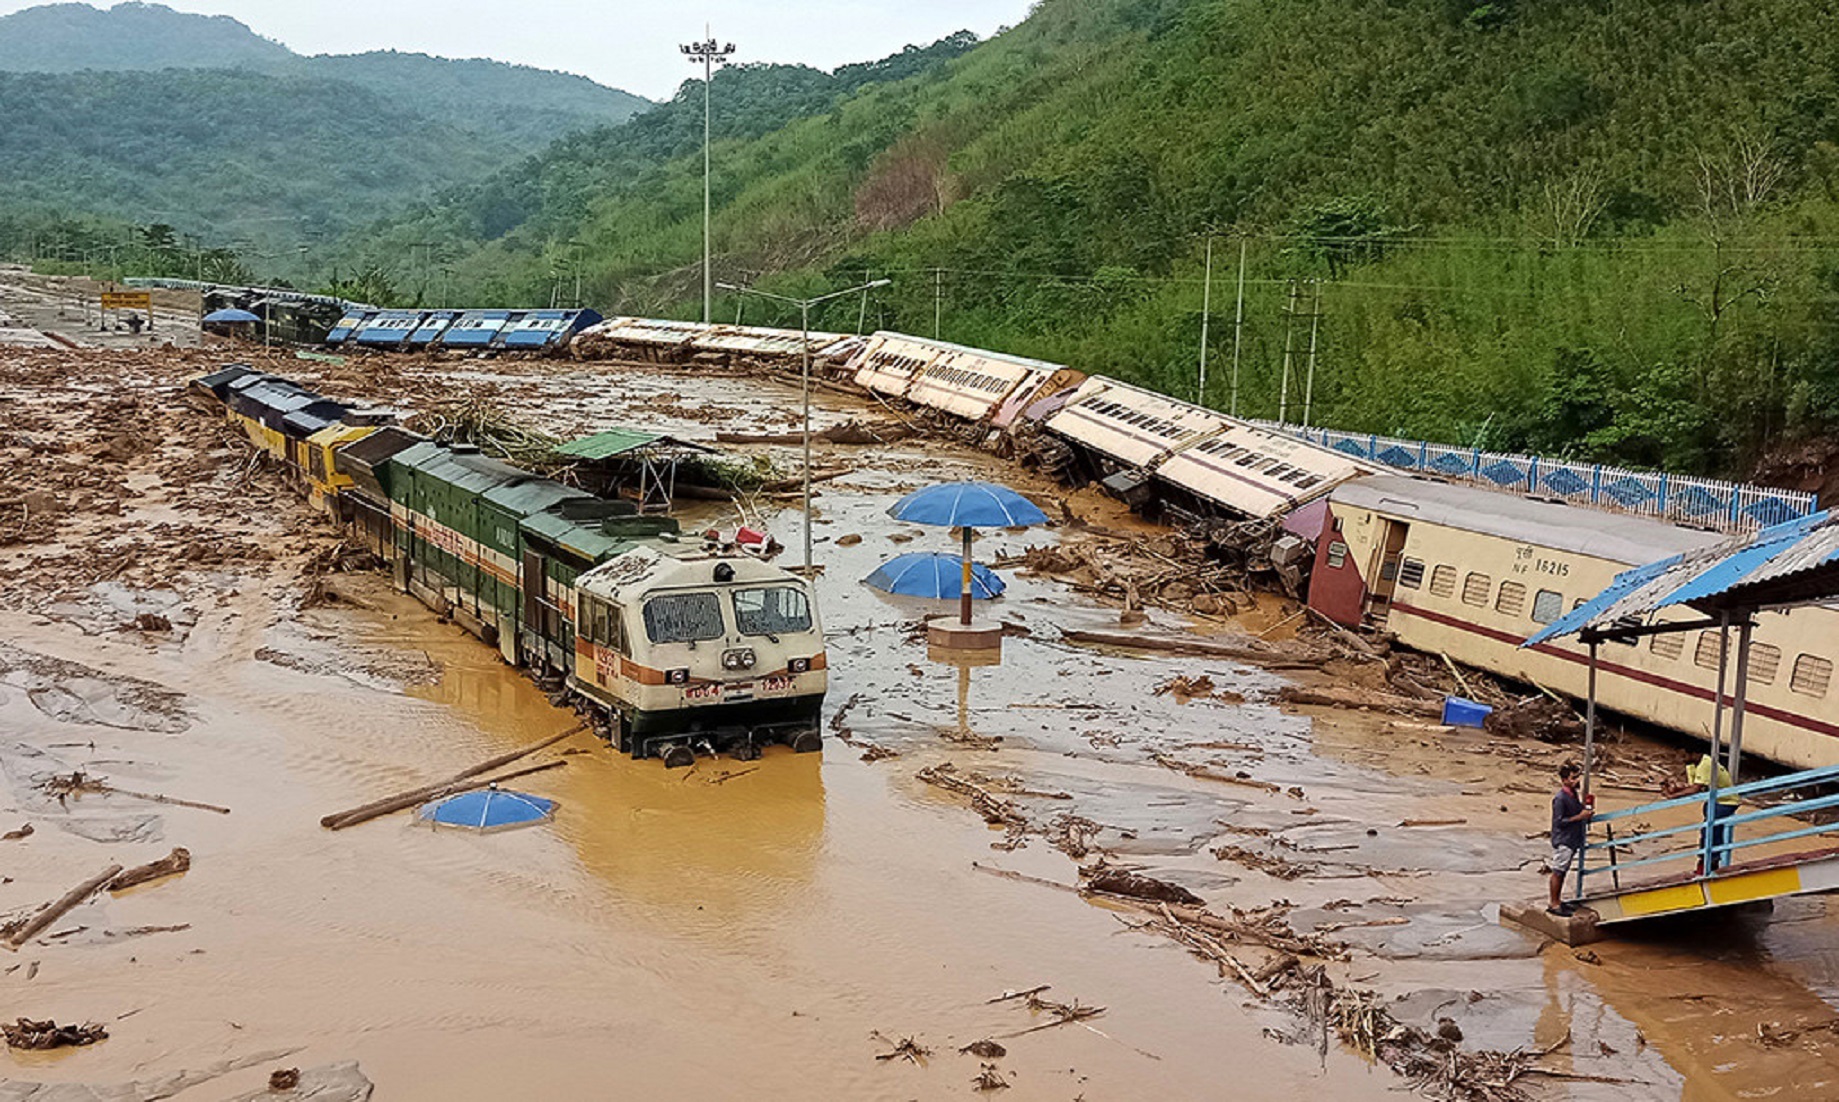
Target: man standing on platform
1698,780
1569,814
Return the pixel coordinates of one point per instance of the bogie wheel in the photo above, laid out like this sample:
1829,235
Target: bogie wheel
679,756
807,742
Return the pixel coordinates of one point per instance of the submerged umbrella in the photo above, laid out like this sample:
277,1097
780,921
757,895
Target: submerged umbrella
968,505
488,809
936,575
229,315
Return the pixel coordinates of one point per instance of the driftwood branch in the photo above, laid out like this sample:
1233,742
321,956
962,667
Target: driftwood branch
178,861
62,906
341,819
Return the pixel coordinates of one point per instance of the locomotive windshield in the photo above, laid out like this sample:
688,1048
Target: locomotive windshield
684,618
779,610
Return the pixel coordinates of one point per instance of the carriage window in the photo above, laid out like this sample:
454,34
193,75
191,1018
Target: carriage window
1705,655
1512,600
1811,675
1475,590
1667,646
683,618
777,611
1765,662
1411,573
1548,605
1337,555
1443,581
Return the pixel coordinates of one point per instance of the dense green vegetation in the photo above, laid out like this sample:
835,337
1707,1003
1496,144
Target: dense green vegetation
67,38
143,113
1604,228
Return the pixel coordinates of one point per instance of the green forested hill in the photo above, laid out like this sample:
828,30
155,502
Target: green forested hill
66,38
1606,227
154,116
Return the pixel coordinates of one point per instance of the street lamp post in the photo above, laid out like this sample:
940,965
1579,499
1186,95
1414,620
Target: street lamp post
804,332
710,54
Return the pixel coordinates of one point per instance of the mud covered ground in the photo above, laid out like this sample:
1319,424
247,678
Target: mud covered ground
767,929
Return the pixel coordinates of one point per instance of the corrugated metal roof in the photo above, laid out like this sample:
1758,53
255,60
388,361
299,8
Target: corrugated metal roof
612,442
1611,536
1795,562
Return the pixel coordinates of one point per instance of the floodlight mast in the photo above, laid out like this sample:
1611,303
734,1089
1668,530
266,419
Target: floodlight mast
804,333
710,54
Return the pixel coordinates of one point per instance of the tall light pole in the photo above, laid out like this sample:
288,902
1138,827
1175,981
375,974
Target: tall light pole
804,331
711,54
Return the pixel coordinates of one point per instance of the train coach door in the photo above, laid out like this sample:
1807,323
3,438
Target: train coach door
1390,553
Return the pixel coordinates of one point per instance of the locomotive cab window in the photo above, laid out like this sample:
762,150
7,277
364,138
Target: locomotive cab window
776,610
684,618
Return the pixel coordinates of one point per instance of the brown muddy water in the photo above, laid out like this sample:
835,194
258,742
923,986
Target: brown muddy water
765,930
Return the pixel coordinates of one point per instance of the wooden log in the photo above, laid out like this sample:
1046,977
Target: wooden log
1345,637
58,909
1357,698
103,786
178,861
1267,656
427,790
410,799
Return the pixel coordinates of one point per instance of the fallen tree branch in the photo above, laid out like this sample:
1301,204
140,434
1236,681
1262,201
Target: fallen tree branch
178,861
59,908
340,819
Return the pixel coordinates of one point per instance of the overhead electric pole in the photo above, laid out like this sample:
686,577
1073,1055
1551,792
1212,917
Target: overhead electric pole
711,55
1206,311
1289,330
1238,331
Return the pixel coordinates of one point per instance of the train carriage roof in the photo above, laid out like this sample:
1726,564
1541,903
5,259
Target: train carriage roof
1616,537
219,382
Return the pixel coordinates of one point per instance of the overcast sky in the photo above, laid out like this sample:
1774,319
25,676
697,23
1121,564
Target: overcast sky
625,43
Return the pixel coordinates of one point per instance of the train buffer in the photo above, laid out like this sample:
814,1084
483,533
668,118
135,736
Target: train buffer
1774,838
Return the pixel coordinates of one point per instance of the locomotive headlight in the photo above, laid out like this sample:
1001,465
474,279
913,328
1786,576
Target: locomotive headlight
742,659
677,677
799,665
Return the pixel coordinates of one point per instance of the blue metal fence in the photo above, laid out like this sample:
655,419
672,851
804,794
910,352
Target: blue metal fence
1700,502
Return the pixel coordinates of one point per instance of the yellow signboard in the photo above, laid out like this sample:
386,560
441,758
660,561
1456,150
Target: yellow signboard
127,300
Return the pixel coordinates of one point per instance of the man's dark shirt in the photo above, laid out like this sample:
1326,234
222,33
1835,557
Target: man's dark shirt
1565,804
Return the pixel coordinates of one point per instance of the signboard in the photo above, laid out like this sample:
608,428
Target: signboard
128,300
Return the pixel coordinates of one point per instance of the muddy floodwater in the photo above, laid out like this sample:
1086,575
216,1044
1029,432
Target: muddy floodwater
771,929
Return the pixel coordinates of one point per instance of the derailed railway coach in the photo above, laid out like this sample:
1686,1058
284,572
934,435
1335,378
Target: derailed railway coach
678,645
1472,572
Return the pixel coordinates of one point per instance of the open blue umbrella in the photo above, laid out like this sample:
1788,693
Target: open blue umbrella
936,575
229,315
967,505
488,809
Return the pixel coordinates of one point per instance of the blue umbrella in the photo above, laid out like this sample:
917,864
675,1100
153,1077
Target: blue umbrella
229,315
488,809
936,575
967,505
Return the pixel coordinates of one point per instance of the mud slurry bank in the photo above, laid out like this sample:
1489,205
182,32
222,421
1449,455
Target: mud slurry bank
764,929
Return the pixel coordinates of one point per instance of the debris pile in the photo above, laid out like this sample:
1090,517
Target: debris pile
28,1034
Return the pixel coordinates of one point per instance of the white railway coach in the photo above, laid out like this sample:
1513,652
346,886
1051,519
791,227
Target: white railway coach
1256,472
979,386
654,339
889,362
1132,427
1471,573
760,343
